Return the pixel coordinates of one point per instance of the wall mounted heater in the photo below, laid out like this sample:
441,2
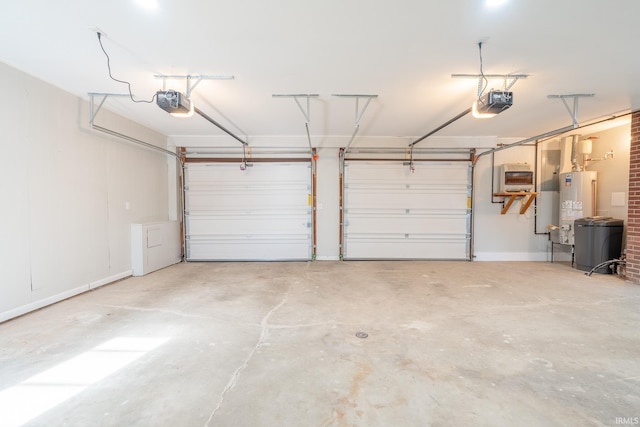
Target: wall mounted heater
173,102
516,177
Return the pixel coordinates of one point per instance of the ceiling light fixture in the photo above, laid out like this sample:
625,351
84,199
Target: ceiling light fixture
477,114
495,3
148,4
186,114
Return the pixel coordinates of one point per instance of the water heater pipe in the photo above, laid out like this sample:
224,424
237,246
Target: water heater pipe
594,196
552,133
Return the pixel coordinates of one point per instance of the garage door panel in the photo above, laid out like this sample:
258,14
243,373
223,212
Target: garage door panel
438,173
262,213
378,247
392,213
266,249
377,199
249,225
400,211
245,200
408,224
207,173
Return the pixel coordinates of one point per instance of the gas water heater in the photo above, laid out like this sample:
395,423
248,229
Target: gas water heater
577,200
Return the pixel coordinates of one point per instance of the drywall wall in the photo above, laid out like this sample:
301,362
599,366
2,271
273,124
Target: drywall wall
327,204
508,237
613,172
492,235
68,194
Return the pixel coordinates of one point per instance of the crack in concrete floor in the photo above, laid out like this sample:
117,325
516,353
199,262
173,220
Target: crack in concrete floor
264,333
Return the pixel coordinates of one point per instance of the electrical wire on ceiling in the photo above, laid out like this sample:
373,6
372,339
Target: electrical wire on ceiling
484,78
118,80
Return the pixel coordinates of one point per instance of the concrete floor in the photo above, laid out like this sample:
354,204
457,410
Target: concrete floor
274,344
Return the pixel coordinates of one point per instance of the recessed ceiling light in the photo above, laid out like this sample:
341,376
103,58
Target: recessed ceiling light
495,3
148,4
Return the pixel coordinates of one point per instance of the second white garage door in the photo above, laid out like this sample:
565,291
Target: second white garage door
261,213
390,212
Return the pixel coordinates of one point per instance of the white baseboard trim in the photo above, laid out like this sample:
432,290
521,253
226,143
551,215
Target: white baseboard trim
327,258
512,256
19,311
110,279
24,309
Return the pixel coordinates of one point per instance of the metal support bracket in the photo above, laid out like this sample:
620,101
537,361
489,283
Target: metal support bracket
306,112
359,113
93,110
572,112
192,80
508,79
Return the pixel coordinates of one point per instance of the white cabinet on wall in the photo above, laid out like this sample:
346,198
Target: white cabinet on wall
154,245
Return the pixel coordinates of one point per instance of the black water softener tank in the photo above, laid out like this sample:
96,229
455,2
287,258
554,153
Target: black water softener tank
597,239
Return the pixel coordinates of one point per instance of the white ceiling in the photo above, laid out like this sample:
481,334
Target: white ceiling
404,51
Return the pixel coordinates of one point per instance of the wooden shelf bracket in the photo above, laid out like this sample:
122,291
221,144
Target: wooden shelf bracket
512,196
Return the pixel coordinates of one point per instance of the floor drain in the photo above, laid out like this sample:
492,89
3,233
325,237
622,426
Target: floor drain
362,334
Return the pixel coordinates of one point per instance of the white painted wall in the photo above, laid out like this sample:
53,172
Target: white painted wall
508,237
511,237
63,199
613,173
328,204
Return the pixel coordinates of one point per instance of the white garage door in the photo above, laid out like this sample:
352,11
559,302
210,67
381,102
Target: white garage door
390,212
261,213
